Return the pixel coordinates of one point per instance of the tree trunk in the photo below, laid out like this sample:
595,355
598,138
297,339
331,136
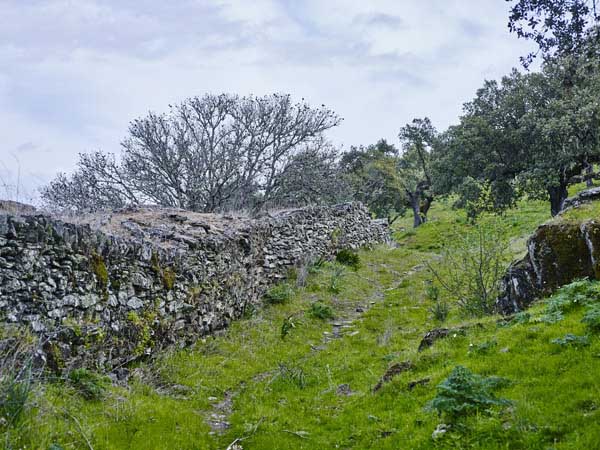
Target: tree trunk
425,205
589,171
558,195
415,204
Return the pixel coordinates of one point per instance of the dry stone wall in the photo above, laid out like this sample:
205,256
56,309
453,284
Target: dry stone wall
116,287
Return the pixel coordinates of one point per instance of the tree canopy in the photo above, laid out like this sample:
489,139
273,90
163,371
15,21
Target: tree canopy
208,153
558,27
529,134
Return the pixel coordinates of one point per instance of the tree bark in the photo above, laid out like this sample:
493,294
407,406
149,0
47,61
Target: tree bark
589,172
415,204
420,206
558,195
425,205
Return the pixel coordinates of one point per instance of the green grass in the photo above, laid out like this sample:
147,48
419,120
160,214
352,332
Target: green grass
284,392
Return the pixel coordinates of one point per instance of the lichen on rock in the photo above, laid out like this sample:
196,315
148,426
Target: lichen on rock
192,273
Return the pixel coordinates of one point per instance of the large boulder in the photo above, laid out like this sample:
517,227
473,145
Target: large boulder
557,253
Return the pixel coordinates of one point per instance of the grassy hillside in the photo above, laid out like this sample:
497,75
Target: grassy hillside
289,377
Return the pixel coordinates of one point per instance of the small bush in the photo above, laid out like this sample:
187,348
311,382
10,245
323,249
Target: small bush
279,294
17,376
348,258
572,340
316,266
471,267
439,308
249,310
88,384
292,375
464,393
320,311
15,389
592,318
288,325
521,318
336,279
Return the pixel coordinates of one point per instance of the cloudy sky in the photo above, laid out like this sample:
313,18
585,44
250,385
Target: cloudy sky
73,73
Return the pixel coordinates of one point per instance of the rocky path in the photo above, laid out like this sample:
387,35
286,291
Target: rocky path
349,316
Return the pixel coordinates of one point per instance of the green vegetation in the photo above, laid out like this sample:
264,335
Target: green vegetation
99,269
464,393
288,376
278,294
439,308
472,265
348,258
321,311
89,384
293,383
169,278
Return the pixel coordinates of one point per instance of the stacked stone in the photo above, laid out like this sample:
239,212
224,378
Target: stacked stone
104,298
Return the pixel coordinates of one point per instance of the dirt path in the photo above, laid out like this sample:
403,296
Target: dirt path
344,325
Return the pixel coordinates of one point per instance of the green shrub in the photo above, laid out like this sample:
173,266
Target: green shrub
320,310
292,375
335,279
90,385
278,294
17,377
464,393
15,389
521,317
288,325
592,318
249,310
348,258
316,266
471,267
439,308
572,340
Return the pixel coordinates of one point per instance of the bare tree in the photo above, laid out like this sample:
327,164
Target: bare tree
208,153
98,183
310,177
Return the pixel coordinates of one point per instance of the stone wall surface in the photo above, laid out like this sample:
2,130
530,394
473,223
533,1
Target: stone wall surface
114,287
557,253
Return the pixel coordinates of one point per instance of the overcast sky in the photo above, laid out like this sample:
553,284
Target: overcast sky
73,73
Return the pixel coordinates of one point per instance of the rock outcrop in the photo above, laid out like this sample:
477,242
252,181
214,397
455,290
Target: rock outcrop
557,253
582,197
111,288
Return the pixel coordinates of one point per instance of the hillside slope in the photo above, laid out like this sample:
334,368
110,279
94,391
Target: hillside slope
285,378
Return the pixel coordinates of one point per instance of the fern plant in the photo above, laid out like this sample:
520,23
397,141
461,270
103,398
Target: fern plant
464,393
592,318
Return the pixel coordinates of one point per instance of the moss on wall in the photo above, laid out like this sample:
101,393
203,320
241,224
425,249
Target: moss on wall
98,267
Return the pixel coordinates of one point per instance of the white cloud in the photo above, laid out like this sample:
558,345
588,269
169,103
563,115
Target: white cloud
74,73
